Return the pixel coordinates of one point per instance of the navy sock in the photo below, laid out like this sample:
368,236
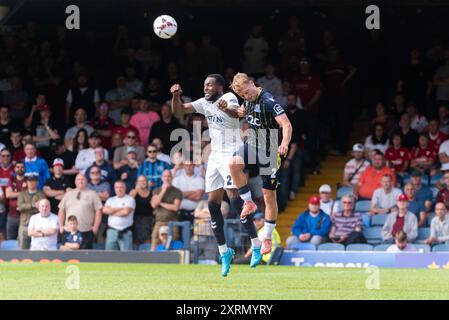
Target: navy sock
236,205
217,222
249,226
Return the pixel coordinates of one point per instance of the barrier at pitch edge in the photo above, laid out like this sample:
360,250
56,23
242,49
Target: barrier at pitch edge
362,259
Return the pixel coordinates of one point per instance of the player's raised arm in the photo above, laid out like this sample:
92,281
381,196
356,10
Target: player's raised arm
286,126
179,108
230,110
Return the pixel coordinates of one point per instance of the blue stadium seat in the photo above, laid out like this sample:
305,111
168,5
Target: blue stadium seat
440,247
382,247
359,247
145,247
424,179
185,231
9,245
373,235
378,220
434,192
363,206
98,246
423,234
422,247
436,178
343,191
331,247
429,218
303,246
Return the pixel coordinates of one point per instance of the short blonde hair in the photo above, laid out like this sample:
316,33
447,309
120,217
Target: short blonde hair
239,80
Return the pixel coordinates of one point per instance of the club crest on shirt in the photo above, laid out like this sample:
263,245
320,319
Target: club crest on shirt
257,108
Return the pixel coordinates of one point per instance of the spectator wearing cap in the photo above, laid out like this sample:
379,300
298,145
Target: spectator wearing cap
86,205
128,173
121,153
355,167
415,206
378,140
313,225
423,193
56,186
120,212
165,202
103,124
107,172
44,131
43,228
192,188
423,157
119,98
86,157
327,204
68,158
168,123
384,198
401,244
439,226
27,206
402,220
16,184
164,244
347,225
144,120
83,95
398,156
152,168
80,123
125,126
35,164
371,178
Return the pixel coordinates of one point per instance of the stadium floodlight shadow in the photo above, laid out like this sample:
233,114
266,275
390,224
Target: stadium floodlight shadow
443,247
331,247
303,246
9,245
378,220
423,234
359,247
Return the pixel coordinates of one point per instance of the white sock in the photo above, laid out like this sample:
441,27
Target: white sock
268,228
256,242
222,249
246,196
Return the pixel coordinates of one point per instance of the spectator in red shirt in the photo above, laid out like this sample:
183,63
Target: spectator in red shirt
125,126
16,184
103,124
307,86
424,156
398,156
371,178
6,168
436,137
16,144
443,194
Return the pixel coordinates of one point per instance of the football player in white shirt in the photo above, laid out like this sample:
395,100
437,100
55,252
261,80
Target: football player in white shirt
220,110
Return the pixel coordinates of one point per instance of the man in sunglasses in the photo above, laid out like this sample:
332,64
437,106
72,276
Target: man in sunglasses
16,184
152,168
121,153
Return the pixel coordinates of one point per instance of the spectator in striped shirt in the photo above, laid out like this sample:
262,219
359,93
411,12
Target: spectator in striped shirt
152,168
347,226
355,167
439,227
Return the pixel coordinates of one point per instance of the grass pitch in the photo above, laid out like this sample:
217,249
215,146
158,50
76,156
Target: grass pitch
158,281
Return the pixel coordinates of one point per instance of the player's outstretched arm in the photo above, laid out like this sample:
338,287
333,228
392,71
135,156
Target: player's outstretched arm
286,126
179,108
229,110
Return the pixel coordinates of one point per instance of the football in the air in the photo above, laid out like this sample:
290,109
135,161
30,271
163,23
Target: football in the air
165,26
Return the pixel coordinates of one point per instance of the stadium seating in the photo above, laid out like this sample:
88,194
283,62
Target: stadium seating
382,247
422,247
9,245
423,234
363,206
359,247
378,220
440,247
185,226
303,246
145,247
425,180
436,178
331,247
343,191
429,218
434,192
373,235
98,246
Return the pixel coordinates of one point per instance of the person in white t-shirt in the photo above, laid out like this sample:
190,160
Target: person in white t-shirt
120,210
384,198
192,188
43,228
443,154
401,244
327,204
86,157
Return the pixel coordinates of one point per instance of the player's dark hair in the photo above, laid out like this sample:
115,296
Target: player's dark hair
218,78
